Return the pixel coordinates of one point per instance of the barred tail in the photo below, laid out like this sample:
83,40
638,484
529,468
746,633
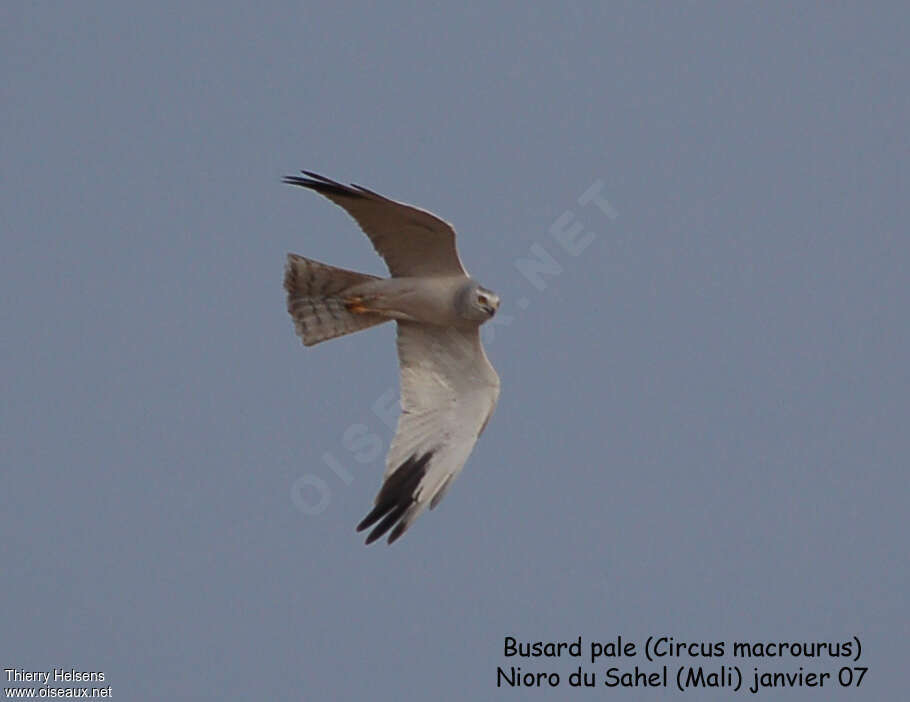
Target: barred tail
316,300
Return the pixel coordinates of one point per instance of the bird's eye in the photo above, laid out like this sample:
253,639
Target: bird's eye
482,299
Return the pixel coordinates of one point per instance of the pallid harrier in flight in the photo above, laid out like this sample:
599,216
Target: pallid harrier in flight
448,387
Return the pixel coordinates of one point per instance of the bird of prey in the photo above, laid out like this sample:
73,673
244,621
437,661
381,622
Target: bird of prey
448,386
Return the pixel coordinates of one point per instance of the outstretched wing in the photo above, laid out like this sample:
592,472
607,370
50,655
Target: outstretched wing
448,393
412,241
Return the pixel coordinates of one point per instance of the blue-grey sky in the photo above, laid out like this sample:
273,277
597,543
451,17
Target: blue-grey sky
702,431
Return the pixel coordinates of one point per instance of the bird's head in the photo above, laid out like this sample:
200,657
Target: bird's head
476,303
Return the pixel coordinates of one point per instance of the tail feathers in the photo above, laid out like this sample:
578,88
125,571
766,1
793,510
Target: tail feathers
316,300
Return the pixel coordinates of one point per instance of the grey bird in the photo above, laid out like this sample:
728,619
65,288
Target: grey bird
449,388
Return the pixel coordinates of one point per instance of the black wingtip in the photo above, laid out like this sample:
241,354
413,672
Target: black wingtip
394,499
393,516
374,516
317,176
297,180
400,528
321,184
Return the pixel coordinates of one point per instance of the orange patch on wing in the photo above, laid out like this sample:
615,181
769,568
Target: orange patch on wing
355,305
